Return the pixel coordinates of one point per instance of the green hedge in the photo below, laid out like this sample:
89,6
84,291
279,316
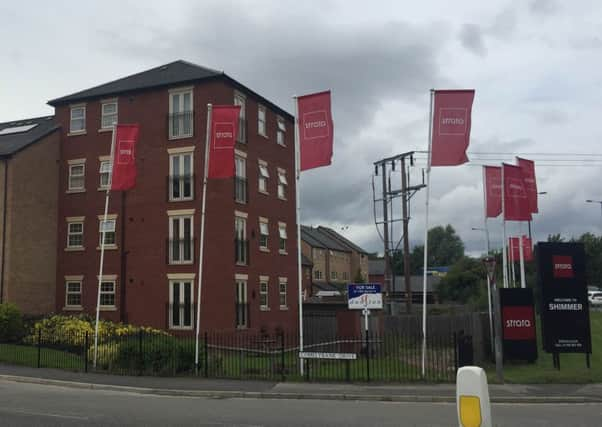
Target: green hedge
11,323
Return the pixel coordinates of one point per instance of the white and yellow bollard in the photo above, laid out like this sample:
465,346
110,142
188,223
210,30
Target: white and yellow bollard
472,397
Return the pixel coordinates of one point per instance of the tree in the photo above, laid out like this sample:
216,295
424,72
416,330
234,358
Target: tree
463,281
593,258
359,277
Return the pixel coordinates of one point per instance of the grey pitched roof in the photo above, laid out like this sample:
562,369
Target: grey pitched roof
432,283
316,238
376,266
343,240
14,142
177,72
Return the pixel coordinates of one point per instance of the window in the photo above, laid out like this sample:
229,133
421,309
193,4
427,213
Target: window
107,293
240,179
75,234
282,184
282,237
345,275
240,240
108,114
77,173
263,177
180,304
180,240
180,177
333,275
105,173
78,119
282,291
239,99
107,228
318,275
73,293
242,309
280,131
263,234
263,293
180,114
261,119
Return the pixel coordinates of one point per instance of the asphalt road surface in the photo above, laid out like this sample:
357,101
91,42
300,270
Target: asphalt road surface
41,405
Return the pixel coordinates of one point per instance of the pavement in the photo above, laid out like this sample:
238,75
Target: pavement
224,389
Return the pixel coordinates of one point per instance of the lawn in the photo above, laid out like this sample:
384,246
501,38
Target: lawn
572,366
49,358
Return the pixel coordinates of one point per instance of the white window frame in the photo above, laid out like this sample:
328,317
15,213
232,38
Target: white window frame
282,184
241,100
73,120
111,227
105,292
69,233
280,131
264,233
262,123
104,171
318,275
333,275
182,300
264,292
263,177
108,120
240,233
181,237
283,281
181,161
241,297
282,236
76,164
70,281
181,92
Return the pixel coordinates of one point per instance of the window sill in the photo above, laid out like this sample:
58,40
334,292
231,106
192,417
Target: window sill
240,202
108,248
102,130
282,198
240,264
75,249
77,190
187,199
103,188
175,138
261,134
264,308
181,328
265,193
108,308
283,308
181,262
77,133
283,252
281,145
262,249
73,308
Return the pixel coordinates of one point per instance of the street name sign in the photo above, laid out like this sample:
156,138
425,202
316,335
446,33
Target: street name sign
320,355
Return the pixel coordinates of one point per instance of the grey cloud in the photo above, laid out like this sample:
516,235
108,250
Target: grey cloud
552,116
543,7
471,37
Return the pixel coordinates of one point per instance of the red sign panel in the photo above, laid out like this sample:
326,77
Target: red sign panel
315,130
493,190
562,266
518,323
124,157
224,127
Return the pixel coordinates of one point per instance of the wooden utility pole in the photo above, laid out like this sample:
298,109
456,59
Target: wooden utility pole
406,236
386,236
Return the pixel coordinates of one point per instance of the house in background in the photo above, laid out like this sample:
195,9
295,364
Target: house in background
152,232
29,163
359,257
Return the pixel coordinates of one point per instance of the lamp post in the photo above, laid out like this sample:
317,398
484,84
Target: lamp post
595,201
489,263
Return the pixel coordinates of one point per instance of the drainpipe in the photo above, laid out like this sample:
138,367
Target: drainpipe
4,210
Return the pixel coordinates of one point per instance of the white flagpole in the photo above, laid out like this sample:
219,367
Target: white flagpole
426,234
298,200
102,250
512,261
486,229
523,283
202,238
504,241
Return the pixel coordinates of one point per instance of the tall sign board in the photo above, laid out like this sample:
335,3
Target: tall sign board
518,324
565,311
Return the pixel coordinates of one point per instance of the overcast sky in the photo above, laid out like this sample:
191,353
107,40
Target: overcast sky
535,66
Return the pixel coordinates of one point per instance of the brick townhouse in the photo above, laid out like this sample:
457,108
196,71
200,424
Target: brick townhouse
29,162
152,239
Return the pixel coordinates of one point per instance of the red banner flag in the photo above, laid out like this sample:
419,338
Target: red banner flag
493,190
516,202
224,128
528,169
451,127
527,248
315,130
123,176
515,249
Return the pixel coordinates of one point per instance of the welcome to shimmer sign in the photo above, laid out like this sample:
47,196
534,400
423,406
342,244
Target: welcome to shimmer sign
565,311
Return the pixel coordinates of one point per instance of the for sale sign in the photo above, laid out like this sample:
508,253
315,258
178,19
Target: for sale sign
565,311
518,324
364,296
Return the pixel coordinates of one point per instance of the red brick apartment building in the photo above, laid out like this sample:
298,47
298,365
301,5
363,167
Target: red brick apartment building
152,242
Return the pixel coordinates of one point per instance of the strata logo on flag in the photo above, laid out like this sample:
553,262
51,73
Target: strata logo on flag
315,125
123,175
452,121
315,130
563,266
516,188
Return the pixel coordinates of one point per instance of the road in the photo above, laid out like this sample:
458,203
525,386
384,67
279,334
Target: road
42,405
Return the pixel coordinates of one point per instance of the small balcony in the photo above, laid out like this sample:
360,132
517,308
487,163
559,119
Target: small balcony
180,251
180,187
181,125
241,251
180,315
242,315
241,194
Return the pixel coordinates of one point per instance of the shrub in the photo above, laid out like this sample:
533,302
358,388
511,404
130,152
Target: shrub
11,322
